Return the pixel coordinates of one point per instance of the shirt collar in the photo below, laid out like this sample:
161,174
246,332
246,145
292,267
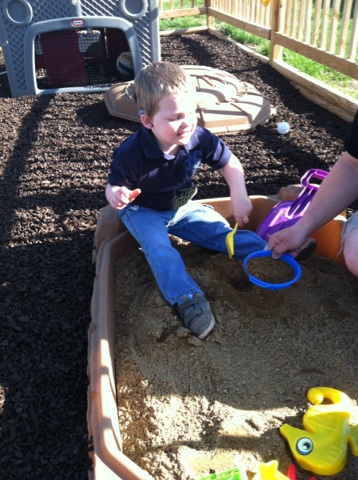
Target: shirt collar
151,148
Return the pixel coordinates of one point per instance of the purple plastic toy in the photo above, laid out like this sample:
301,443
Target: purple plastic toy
286,214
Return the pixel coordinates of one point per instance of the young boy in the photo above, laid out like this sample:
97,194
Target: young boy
151,185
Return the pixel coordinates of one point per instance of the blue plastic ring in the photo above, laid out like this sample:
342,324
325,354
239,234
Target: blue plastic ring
296,269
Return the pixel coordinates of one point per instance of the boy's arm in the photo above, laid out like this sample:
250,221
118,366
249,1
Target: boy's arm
241,205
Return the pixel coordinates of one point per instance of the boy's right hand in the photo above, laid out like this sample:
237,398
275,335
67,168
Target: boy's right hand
241,210
120,197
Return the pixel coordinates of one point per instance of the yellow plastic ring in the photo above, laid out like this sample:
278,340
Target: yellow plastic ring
265,2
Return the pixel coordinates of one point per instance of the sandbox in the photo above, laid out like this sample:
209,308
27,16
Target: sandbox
111,242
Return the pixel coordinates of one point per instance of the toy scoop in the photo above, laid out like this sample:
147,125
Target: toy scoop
322,446
229,240
287,213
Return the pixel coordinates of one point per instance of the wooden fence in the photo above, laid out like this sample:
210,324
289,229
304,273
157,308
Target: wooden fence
325,31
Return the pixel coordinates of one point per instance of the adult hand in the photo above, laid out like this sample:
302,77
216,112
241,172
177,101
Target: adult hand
289,240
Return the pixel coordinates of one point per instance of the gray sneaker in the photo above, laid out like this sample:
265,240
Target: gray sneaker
196,314
307,250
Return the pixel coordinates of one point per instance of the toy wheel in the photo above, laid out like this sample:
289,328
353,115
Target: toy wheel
265,2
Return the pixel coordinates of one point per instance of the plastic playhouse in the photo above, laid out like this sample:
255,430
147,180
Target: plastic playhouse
83,46
76,45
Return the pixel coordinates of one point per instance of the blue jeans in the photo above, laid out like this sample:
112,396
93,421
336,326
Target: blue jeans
194,222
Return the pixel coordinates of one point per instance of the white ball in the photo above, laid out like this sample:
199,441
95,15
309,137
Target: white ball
124,64
283,128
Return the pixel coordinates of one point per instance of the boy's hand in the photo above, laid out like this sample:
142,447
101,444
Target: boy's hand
120,197
242,210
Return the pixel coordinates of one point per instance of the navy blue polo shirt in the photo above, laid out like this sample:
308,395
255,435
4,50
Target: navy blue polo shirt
166,182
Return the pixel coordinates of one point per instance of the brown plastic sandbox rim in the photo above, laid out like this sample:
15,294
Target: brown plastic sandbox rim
109,461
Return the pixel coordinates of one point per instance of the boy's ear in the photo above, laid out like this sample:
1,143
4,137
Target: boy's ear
146,121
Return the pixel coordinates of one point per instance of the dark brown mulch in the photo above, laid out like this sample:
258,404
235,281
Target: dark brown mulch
55,152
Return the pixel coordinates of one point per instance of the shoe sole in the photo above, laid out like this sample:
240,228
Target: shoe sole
208,330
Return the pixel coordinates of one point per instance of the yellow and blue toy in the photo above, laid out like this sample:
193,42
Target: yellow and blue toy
322,446
124,64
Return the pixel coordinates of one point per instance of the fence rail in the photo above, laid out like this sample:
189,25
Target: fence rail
325,31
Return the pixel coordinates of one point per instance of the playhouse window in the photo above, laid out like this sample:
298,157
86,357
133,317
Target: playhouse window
90,57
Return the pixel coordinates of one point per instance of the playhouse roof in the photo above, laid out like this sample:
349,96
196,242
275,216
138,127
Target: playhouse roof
225,104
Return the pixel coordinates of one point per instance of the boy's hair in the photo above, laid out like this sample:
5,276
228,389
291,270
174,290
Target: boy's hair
158,80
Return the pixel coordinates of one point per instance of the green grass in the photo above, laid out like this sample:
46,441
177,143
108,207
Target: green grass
252,41
330,77
316,70
327,75
182,22
186,4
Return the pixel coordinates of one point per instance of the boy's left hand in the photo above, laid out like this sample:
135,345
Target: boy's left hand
119,197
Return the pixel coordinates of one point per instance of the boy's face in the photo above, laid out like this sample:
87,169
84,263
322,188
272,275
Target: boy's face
175,121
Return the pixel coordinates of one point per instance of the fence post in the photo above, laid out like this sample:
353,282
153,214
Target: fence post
275,49
210,20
